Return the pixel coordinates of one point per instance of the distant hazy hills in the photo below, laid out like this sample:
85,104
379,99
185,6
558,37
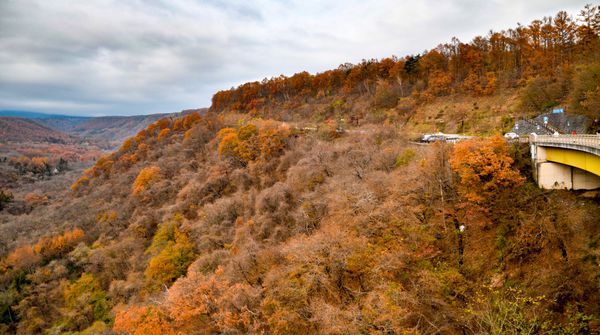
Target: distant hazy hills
31,126
36,115
17,129
112,128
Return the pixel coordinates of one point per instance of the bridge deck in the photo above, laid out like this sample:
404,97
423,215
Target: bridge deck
587,143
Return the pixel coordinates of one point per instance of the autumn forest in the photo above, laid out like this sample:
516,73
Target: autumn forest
305,205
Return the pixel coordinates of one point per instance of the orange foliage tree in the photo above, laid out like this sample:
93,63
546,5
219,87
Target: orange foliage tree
190,120
238,144
484,167
439,83
40,164
142,320
213,303
50,247
23,258
158,126
248,143
27,256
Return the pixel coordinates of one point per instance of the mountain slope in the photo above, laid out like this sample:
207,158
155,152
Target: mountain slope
264,229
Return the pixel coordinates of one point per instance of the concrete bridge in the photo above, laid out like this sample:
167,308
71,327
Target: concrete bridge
566,161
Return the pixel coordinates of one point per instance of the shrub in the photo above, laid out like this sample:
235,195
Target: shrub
51,247
127,145
83,181
33,199
271,142
163,134
247,131
142,320
385,95
164,234
103,167
86,299
228,146
145,178
328,132
23,258
507,312
405,157
5,197
191,119
47,248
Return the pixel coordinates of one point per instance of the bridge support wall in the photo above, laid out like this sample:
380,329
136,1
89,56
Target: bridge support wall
559,176
583,180
551,175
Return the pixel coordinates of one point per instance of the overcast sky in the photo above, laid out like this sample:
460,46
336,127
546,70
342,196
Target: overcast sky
125,57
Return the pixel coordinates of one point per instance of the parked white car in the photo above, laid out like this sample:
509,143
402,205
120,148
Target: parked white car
511,136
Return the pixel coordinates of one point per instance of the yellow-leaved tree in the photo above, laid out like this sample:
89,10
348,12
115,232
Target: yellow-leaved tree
145,178
172,254
85,302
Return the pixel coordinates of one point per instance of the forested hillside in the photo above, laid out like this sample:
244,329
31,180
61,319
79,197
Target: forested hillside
248,220
553,60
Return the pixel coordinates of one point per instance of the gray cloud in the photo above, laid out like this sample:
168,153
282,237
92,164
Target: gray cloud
101,57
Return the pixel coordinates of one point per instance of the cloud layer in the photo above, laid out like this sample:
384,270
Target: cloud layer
104,57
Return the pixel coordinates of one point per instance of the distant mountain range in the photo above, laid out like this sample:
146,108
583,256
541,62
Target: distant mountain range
110,130
37,115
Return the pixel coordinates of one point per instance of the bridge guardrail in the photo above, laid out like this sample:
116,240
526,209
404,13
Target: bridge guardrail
590,141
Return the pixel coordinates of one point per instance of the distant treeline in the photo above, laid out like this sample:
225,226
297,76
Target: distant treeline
504,59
